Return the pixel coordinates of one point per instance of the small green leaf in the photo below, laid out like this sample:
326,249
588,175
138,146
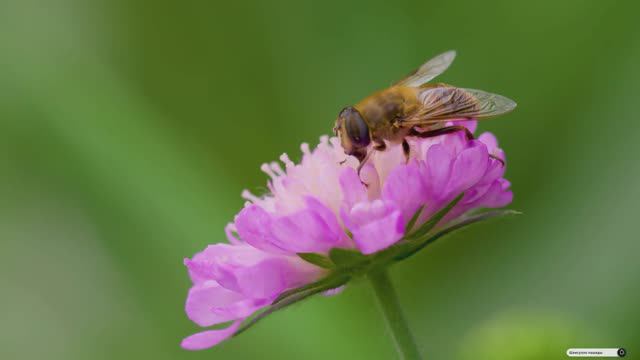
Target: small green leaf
336,281
318,284
346,257
456,226
435,219
413,220
316,259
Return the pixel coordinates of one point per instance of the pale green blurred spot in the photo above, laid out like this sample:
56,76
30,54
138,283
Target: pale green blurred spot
520,335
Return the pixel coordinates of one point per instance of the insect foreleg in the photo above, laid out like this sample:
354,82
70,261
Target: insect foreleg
406,149
361,165
378,145
381,146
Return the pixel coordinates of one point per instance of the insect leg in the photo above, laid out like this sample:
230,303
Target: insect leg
497,158
442,131
381,146
406,149
361,165
378,145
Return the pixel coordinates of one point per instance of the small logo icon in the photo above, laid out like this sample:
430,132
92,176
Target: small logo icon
622,352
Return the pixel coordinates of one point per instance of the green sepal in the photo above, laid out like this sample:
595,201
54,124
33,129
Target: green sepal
469,220
435,219
413,220
345,258
328,283
316,259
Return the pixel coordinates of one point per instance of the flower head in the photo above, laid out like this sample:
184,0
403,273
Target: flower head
322,204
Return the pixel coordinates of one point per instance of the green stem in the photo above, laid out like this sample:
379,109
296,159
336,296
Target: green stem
388,303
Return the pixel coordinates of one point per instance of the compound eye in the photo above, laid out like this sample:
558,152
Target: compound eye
356,127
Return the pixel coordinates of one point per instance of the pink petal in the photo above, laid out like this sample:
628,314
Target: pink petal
198,273
489,140
242,308
404,187
497,196
375,225
353,190
249,271
209,338
206,265
311,229
266,279
455,142
495,171
329,219
468,168
204,297
254,227
371,177
438,170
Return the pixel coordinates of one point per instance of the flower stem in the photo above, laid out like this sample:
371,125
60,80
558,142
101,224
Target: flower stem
397,325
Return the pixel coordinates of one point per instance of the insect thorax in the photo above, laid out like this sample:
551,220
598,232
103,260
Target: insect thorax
382,110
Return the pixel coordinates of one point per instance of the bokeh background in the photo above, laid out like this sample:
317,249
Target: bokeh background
128,129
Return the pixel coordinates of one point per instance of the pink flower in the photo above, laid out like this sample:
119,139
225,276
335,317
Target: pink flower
320,204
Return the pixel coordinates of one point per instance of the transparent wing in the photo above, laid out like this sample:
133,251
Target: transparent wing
447,103
429,70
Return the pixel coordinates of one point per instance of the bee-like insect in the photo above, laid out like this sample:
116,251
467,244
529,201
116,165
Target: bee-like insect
412,107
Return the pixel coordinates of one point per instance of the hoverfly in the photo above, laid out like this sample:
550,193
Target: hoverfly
413,107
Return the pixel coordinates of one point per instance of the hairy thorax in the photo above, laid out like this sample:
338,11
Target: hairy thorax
384,110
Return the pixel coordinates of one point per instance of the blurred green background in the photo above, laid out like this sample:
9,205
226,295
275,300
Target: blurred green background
128,129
